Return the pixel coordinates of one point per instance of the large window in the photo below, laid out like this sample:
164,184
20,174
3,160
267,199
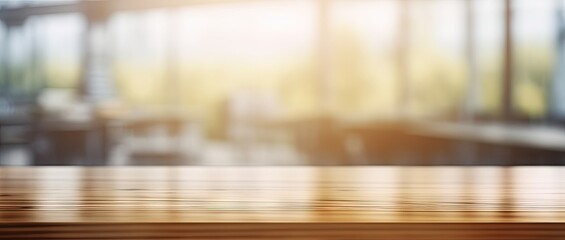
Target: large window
200,57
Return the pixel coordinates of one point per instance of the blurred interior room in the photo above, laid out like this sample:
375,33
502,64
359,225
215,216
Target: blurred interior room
338,82
369,119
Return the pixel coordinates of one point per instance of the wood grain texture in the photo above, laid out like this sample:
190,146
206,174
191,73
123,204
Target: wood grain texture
282,203
282,194
301,231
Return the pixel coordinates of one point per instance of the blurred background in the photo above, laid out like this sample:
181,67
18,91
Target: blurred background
282,82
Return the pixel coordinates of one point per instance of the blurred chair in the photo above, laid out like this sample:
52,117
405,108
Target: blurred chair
322,140
14,130
13,115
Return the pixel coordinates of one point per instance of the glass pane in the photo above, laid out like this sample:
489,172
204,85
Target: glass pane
139,59
489,33
557,96
22,3
61,49
17,70
363,45
3,42
534,54
437,64
18,56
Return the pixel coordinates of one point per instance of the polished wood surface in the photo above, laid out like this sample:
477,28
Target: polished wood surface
300,231
282,194
282,202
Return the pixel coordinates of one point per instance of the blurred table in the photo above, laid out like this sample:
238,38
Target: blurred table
283,202
531,136
68,143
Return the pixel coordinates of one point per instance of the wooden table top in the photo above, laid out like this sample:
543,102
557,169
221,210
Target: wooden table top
282,194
